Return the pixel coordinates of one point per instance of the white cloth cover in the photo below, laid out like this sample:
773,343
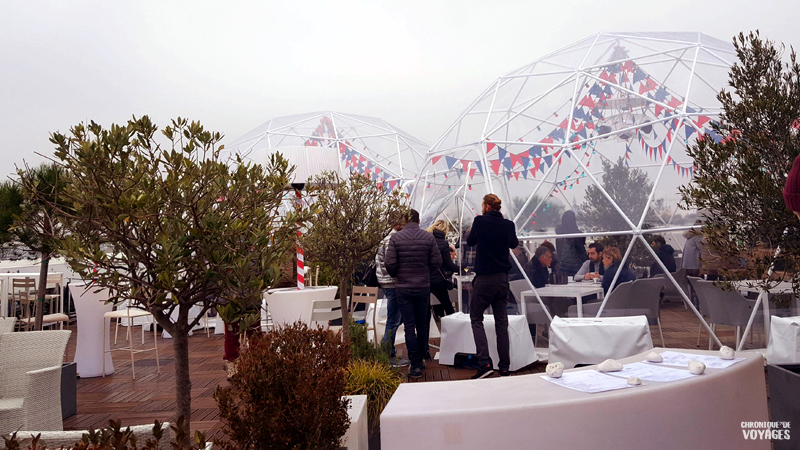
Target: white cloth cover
783,346
357,435
90,307
525,411
593,340
289,305
457,338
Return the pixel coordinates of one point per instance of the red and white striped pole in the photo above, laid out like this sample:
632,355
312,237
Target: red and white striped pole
301,281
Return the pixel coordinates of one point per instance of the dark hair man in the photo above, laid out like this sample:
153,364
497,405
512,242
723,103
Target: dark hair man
494,236
592,267
410,257
536,268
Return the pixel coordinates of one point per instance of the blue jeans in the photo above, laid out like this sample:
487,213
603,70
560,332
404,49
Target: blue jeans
392,316
414,305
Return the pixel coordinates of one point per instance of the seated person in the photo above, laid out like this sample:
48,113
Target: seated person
592,267
665,254
536,268
554,255
612,260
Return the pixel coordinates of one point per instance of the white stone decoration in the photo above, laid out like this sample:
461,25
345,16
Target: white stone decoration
654,357
634,381
555,370
726,352
696,367
610,365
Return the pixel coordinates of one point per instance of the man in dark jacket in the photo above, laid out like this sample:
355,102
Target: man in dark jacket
665,253
410,257
536,269
494,236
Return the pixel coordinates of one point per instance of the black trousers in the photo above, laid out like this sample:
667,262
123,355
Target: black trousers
439,290
490,290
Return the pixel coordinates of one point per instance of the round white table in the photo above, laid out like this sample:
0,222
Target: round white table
90,307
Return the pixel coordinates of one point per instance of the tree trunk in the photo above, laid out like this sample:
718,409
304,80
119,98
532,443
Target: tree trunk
345,307
183,384
42,291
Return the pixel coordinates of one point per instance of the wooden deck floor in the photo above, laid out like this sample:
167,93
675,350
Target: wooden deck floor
151,396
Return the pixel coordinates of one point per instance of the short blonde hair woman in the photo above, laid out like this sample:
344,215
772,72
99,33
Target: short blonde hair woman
440,225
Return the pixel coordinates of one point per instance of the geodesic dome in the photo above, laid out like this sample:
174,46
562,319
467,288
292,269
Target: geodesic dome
539,136
366,145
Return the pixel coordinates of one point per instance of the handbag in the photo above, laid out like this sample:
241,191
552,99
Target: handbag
370,277
447,281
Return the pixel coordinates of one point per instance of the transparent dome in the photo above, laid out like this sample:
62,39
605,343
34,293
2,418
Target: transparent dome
366,145
600,127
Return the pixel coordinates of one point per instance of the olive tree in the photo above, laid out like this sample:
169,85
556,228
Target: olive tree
172,226
352,216
740,174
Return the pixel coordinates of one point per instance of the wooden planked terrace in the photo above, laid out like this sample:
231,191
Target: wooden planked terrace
151,396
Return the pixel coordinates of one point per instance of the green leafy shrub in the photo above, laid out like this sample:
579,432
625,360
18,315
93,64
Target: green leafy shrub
362,348
376,380
287,392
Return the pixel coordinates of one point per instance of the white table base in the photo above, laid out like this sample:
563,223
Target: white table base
783,346
457,338
357,435
593,340
90,309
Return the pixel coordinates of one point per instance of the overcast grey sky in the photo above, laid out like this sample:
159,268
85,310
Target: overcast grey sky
233,65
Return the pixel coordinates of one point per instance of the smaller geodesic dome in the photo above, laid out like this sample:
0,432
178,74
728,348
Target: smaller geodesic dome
365,145
546,135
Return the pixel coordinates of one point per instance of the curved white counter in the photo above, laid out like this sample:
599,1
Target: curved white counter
703,412
90,307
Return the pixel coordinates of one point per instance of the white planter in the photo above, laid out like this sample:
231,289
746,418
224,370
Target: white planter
289,305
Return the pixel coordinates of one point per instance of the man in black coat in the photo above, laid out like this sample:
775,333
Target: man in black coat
410,257
665,253
536,269
494,236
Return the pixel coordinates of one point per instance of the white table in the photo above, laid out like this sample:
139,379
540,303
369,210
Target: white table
357,435
457,338
90,307
593,340
783,346
526,411
577,290
288,305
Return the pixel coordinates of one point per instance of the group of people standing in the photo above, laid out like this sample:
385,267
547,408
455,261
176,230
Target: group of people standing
412,264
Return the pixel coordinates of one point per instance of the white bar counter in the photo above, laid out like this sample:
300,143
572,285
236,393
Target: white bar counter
526,411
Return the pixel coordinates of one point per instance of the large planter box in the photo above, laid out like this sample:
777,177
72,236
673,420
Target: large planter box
784,390
69,390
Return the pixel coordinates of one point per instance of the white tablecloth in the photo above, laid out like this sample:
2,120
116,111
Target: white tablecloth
521,412
457,338
592,340
784,341
90,308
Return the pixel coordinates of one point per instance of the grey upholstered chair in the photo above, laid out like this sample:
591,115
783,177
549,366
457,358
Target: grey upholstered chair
533,310
723,307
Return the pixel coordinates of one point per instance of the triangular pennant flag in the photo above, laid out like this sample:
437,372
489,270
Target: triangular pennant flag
689,130
435,159
536,163
525,174
535,151
516,176
495,163
507,163
702,120
587,102
501,153
465,163
472,173
489,146
548,160
515,159
450,161
525,161
478,165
